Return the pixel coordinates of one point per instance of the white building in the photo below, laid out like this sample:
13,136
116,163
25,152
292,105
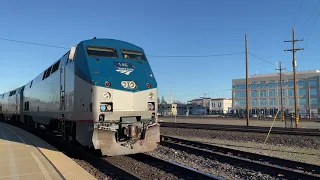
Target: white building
213,105
220,105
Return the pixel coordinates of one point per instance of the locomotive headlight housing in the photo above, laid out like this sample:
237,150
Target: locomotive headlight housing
132,84
124,84
151,95
106,95
150,106
106,107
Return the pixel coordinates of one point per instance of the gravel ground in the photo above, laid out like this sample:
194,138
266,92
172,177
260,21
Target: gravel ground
214,167
298,148
92,170
140,169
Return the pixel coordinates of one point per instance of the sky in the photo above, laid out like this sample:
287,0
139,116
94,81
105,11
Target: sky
164,28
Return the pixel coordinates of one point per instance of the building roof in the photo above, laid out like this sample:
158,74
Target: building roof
221,98
285,73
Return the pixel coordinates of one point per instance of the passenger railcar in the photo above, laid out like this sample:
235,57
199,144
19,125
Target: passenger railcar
101,93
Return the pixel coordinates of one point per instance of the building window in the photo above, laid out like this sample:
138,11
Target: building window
290,83
272,93
272,102
313,101
283,92
263,102
271,84
263,84
240,94
254,102
312,82
240,86
302,92
301,83
254,85
240,102
283,84
263,93
291,101
313,91
290,92
283,101
302,101
254,93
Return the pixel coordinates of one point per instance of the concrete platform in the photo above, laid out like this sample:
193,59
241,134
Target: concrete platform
313,124
25,156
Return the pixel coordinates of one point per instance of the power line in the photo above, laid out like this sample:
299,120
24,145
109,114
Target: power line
262,59
38,44
187,56
295,18
314,10
169,56
314,24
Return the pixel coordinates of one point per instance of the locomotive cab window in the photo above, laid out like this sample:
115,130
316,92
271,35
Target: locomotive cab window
134,55
102,51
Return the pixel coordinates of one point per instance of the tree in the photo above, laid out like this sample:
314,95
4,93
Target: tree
163,101
158,100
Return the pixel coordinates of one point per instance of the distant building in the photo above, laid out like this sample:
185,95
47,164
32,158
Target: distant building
264,93
180,109
213,105
220,105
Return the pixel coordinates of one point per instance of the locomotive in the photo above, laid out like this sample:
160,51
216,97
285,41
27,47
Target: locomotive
102,93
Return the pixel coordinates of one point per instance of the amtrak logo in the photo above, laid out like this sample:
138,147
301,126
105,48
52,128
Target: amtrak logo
125,71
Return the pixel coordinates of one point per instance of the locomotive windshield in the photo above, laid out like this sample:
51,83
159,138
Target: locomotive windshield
135,55
102,51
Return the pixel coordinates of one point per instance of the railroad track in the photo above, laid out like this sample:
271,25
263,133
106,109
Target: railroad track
256,129
270,165
171,168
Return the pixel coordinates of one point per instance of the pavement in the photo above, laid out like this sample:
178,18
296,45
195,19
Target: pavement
25,156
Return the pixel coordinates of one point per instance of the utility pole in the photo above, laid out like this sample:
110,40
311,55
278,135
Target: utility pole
247,80
282,108
309,103
294,64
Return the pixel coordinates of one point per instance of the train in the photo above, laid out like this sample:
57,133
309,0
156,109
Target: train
102,93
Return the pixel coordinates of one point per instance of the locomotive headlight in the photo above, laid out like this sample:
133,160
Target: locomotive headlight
102,107
109,107
124,84
107,95
150,106
151,95
132,84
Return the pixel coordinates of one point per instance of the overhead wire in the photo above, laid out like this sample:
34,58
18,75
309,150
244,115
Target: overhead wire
295,18
307,22
305,45
38,44
166,56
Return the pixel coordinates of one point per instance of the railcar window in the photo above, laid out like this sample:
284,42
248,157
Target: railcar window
44,75
135,55
55,67
48,72
102,51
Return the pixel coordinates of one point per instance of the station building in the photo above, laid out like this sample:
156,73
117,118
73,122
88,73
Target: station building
264,93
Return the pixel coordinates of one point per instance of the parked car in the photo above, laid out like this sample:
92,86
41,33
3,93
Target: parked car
268,116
